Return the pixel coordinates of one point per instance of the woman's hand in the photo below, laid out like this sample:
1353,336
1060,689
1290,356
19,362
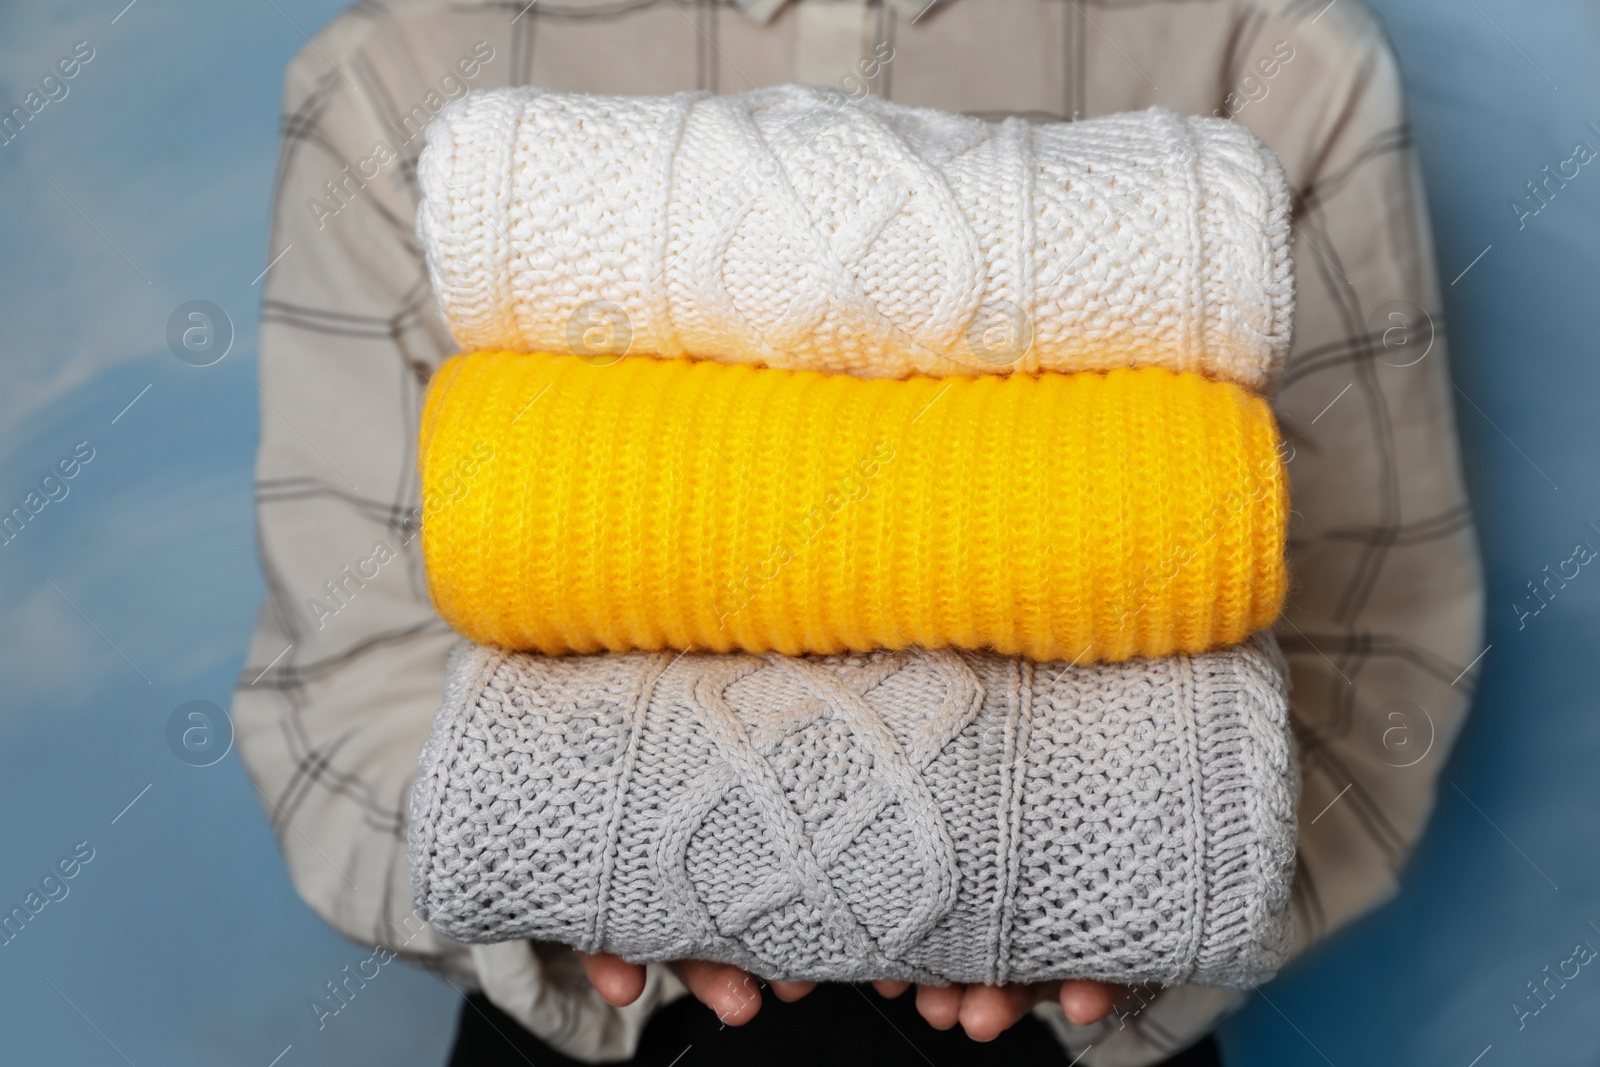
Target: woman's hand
729,992
984,1012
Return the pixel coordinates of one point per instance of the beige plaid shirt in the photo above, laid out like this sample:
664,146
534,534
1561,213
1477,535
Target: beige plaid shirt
1383,625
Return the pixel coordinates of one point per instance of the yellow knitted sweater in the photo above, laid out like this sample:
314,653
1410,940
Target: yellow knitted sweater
648,504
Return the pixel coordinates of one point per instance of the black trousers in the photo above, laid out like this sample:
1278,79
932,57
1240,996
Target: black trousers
835,1024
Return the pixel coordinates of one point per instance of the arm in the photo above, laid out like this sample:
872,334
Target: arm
346,668
1385,615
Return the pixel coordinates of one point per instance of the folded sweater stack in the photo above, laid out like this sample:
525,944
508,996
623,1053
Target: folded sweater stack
876,586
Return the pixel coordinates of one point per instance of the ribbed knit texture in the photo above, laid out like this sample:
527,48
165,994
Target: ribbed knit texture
654,504
935,817
786,227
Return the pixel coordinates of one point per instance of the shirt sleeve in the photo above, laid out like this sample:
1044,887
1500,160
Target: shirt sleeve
1383,624
346,668
1383,627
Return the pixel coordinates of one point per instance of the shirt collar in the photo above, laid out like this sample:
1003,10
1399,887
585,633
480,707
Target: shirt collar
764,10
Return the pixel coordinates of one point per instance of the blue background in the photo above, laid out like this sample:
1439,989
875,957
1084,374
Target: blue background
182,942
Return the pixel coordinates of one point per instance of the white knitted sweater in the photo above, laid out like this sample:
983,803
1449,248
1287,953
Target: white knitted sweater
789,227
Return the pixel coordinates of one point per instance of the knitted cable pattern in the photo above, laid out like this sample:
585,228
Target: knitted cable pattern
928,816
784,227
680,504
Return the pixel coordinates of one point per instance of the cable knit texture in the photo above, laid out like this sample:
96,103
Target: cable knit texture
788,227
654,504
928,816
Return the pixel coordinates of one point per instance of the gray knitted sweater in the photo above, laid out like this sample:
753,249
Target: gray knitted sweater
930,816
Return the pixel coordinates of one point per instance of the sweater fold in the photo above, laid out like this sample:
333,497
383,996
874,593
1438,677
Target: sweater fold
926,816
788,228
675,504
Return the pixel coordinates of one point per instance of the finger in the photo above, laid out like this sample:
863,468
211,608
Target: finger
789,992
617,980
988,1011
940,1004
890,989
723,988
1086,1002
